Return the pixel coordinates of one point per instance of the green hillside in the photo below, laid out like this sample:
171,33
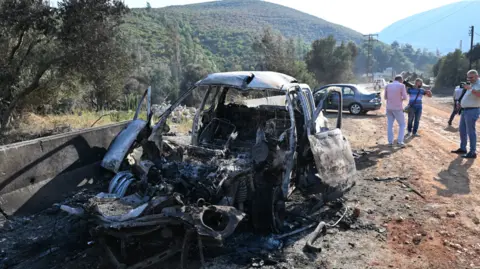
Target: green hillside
176,45
251,16
224,30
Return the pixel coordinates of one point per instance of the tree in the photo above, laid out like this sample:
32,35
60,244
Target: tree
452,69
400,62
408,51
40,45
474,54
275,53
193,73
384,56
395,45
329,62
149,7
436,67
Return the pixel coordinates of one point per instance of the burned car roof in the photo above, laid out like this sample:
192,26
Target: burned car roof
249,80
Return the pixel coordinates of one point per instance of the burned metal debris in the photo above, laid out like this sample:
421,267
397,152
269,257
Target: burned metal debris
238,166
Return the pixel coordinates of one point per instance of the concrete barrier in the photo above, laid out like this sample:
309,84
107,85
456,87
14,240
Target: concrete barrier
36,173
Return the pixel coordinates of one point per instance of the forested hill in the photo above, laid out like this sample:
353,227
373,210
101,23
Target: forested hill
226,29
175,45
251,16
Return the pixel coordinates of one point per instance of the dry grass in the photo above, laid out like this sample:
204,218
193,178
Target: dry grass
33,123
32,126
183,127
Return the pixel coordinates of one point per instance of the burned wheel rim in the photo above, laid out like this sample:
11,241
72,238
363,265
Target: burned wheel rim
355,109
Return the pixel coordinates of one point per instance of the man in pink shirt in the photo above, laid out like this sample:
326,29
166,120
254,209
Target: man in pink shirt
395,94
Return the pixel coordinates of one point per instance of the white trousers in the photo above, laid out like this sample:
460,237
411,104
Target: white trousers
395,115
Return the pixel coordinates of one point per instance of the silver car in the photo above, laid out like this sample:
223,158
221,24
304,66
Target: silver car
356,98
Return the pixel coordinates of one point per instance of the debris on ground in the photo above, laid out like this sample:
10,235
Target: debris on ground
451,214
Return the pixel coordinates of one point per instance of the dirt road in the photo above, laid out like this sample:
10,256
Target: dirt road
440,231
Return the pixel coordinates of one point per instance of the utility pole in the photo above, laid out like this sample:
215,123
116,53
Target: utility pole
370,40
471,33
460,45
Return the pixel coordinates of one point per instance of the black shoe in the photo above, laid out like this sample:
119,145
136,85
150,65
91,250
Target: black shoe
470,155
459,151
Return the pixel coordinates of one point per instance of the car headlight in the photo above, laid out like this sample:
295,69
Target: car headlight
375,100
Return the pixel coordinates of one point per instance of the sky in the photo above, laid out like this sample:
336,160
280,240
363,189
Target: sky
364,16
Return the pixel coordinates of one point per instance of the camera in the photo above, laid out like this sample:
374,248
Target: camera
408,84
463,84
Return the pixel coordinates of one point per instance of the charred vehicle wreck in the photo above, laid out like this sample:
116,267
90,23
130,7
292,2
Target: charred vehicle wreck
255,137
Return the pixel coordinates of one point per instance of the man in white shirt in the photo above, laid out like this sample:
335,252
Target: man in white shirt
456,97
470,105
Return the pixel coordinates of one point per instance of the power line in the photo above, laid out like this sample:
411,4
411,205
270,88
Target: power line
406,22
441,19
403,24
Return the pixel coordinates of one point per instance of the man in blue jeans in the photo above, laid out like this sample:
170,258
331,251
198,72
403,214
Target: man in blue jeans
415,106
470,111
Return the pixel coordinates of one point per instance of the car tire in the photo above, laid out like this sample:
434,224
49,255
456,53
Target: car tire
355,109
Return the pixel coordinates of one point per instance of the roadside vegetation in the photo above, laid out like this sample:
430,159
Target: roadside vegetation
90,57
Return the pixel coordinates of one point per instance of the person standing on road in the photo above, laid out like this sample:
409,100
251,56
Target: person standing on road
415,106
470,105
456,97
395,94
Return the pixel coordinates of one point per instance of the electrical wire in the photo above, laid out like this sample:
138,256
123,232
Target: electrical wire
441,19
406,22
403,24
338,221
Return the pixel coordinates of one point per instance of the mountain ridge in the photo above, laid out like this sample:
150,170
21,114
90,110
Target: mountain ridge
440,28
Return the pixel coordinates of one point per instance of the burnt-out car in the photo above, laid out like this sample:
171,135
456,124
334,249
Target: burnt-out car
271,119
254,137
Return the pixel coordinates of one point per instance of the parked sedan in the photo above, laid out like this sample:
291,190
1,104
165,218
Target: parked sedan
356,98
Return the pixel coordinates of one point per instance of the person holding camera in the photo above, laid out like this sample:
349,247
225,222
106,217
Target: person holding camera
470,111
395,94
457,93
415,107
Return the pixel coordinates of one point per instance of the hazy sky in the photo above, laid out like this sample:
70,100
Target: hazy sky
365,16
